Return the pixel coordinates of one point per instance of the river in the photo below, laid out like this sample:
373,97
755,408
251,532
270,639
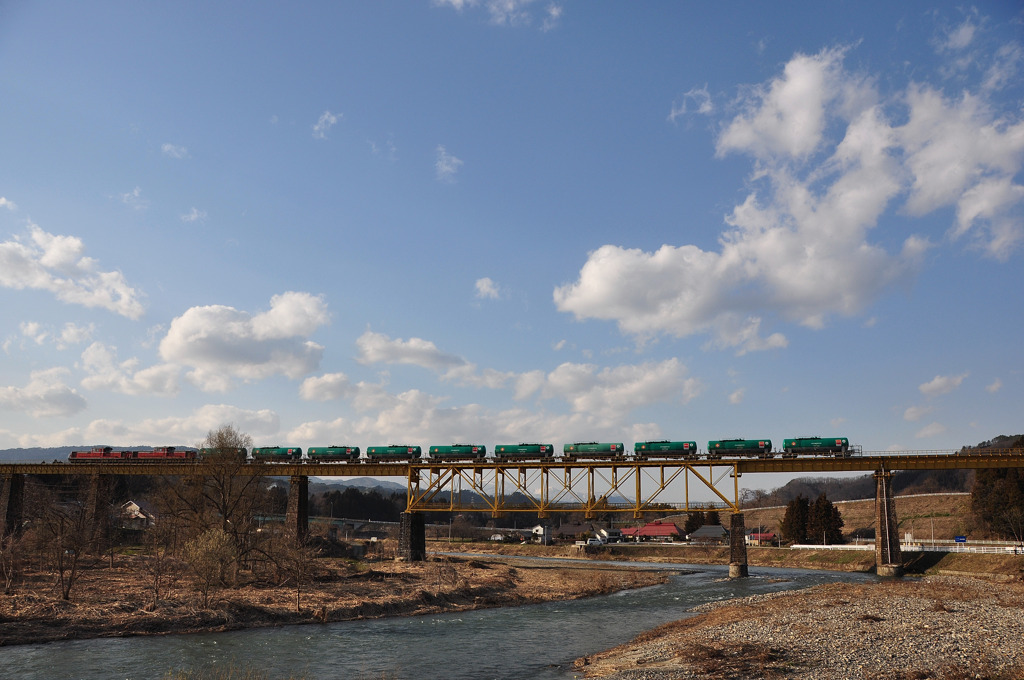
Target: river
535,641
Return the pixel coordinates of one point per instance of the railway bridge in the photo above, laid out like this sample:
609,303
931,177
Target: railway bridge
625,486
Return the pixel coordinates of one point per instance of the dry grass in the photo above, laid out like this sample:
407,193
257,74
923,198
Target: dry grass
946,515
118,601
734,661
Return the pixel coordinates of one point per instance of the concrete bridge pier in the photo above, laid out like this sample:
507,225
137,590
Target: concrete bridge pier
97,511
412,537
888,558
296,519
737,547
12,504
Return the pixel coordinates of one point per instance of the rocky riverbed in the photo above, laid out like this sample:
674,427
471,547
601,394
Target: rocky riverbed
942,627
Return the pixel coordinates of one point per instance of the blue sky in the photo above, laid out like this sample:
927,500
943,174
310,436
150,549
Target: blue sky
425,222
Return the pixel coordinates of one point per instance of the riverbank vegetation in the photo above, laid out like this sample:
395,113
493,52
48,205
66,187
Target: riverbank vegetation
118,599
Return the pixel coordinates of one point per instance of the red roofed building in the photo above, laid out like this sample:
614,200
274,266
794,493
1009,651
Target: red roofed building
766,538
656,531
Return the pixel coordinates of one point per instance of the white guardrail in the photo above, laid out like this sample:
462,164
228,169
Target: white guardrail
1001,549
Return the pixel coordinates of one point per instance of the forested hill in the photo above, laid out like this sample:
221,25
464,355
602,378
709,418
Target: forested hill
905,482
37,454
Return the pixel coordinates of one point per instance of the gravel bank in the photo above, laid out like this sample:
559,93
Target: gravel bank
936,627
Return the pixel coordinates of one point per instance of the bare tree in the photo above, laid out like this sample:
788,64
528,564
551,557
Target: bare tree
61,535
159,562
207,556
222,496
10,560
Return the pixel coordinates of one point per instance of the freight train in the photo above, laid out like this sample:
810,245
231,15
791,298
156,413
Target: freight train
648,450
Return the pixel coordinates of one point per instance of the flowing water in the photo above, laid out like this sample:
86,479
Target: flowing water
535,641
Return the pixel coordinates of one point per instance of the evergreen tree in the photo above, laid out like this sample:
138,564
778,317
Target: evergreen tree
998,494
711,517
794,523
824,522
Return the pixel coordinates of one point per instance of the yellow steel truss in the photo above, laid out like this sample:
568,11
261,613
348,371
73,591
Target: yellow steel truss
544,487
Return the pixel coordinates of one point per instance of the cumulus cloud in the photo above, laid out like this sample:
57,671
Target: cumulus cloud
446,166
831,157
4,203
326,387
70,334
994,386
189,429
933,430
915,413
105,372
486,289
941,384
56,264
377,348
737,396
222,343
46,395
325,123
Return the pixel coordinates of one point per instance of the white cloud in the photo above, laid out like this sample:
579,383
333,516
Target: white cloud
942,384
174,151
70,334
994,386
326,387
457,5
486,289
73,334
512,13
4,203
915,413
222,343
325,123
828,164
105,372
45,395
134,199
446,165
33,331
194,215
376,348
933,430
56,264
786,117
1004,68
552,17
960,37
697,100
737,396
611,393
189,430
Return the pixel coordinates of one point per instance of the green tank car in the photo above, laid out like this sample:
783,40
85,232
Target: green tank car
592,450
523,451
393,452
332,454
458,451
665,449
277,454
838,446
730,448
